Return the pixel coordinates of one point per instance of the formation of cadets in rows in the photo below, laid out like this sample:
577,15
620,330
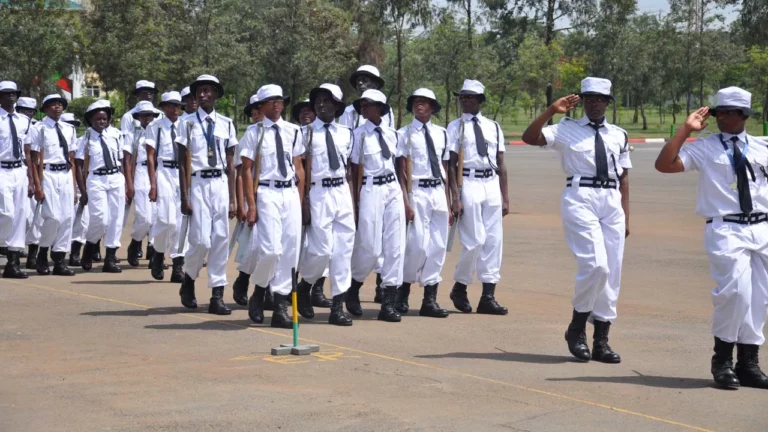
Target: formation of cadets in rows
332,199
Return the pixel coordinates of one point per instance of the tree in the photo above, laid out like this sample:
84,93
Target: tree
758,73
538,64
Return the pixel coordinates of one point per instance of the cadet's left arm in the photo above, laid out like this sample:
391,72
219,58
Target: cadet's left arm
503,183
624,190
298,163
231,181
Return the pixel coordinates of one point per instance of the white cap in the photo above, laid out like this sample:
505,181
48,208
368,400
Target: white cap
27,102
207,79
144,84
373,96
144,107
733,98
69,117
596,86
9,86
270,91
170,97
101,103
335,91
472,87
57,97
369,70
424,93
185,92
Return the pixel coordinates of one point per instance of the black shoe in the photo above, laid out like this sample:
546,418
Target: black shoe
74,254
12,270
280,317
43,267
429,306
722,365
268,301
3,251
488,304
32,257
401,298
23,254
96,251
187,293
338,316
240,289
748,368
318,298
139,251
86,262
379,293
158,269
576,336
256,305
217,306
601,351
177,274
388,312
304,299
352,299
150,252
110,262
133,253
459,298
59,267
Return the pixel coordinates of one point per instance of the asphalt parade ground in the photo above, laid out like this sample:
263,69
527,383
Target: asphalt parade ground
100,352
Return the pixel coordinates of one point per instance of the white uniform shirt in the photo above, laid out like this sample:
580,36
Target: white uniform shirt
492,133
374,163
715,196
352,119
575,140
224,135
43,135
162,129
112,138
419,152
6,145
140,137
293,146
342,139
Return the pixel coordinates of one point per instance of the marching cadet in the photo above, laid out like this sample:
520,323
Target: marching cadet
28,107
189,101
302,113
13,178
137,181
329,213
79,224
50,141
482,202
104,186
595,209
733,197
208,139
163,170
421,148
274,147
380,210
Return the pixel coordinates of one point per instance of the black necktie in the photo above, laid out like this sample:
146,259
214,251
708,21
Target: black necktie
333,156
174,146
482,146
433,164
385,153
280,152
14,139
742,180
107,155
601,159
211,143
62,143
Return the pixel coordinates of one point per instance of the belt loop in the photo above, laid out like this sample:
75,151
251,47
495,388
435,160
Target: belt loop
575,182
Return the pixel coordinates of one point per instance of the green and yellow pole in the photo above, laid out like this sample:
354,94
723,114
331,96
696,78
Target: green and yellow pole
671,130
295,308
765,128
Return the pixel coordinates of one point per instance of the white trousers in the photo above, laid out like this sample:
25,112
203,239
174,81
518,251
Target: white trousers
166,228
593,221
246,261
106,208
738,261
380,233
427,236
330,237
480,231
56,211
209,229
79,228
13,214
144,209
276,238
34,232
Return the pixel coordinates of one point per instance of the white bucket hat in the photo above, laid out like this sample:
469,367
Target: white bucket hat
9,87
732,99
54,97
371,71
206,79
374,96
145,85
424,93
336,95
144,107
27,102
472,87
171,97
270,91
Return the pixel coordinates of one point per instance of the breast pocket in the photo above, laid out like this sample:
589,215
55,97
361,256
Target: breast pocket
721,166
319,156
268,157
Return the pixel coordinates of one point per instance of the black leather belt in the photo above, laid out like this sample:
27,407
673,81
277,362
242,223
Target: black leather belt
214,173
11,164
104,171
279,184
170,164
380,180
594,182
479,173
744,219
144,163
331,182
430,183
57,167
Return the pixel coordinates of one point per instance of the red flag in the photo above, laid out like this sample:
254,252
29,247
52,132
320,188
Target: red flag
65,84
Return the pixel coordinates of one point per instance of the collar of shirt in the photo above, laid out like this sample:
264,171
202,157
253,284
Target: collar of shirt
167,122
417,125
467,117
49,122
268,123
585,121
203,115
742,136
370,127
319,125
4,114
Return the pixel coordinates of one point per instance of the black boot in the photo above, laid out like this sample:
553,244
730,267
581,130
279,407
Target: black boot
23,254
318,298
32,257
3,251
748,368
488,304
217,306
352,299
429,306
280,317
401,299
133,253
59,267
158,270
177,274
256,305
86,262
459,297
187,293
150,252
379,293
722,365
388,312
110,262
140,252
12,270
268,301
96,251
338,316
304,299
43,268
601,351
576,336
240,289
74,254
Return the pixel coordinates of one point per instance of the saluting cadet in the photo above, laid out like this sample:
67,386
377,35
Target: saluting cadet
104,186
421,148
28,107
482,202
733,197
209,200
379,208
163,171
79,225
50,141
14,179
190,102
274,209
595,209
329,213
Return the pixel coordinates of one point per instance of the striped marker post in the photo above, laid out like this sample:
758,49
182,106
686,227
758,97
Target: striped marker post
295,348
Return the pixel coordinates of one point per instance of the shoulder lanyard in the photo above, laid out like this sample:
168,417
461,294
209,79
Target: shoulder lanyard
729,152
205,132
